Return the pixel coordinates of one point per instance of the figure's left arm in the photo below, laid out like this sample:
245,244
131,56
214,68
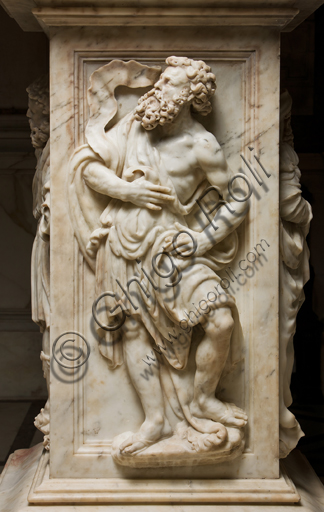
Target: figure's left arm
229,215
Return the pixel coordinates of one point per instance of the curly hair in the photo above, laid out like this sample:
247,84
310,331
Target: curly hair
202,82
38,111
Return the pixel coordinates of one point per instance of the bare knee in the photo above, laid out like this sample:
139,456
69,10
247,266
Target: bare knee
132,328
221,322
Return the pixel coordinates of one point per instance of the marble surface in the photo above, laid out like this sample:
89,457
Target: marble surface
153,191
38,115
114,430
20,470
280,12
22,12
86,451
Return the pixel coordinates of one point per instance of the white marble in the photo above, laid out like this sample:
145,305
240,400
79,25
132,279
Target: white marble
20,470
16,478
284,13
158,161
136,137
38,115
235,122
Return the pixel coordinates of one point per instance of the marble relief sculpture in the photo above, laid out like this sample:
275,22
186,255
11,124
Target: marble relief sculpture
133,200
38,114
295,217
169,261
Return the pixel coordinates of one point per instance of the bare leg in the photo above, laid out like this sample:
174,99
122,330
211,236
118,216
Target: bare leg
211,357
137,346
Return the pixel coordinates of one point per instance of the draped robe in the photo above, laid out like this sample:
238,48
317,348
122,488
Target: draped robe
118,239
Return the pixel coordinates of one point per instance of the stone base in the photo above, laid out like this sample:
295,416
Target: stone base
45,490
179,451
21,468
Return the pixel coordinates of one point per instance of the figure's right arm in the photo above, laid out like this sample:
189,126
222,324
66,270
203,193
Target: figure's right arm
140,192
103,180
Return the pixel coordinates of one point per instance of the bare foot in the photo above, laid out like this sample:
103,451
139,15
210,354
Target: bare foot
222,412
207,442
149,433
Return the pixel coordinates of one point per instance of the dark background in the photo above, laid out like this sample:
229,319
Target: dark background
23,58
302,74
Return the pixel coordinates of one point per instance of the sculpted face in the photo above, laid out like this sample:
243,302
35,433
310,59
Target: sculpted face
173,83
38,123
163,103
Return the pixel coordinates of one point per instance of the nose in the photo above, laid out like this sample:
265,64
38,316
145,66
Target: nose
158,85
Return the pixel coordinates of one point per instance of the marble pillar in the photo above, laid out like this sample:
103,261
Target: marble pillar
170,257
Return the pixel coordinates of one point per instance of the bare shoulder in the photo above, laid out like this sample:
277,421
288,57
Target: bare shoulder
202,136
207,149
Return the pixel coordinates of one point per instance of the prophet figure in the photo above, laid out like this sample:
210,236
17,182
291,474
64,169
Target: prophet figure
154,259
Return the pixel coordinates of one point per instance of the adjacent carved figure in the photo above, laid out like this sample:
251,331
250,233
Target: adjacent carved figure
133,195
38,113
295,217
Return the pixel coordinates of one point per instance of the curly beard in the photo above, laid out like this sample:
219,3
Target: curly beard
153,110
39,131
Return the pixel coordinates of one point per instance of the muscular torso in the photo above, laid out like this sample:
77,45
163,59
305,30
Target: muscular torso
180,161
184,151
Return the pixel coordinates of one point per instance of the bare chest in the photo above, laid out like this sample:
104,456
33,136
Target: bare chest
180,163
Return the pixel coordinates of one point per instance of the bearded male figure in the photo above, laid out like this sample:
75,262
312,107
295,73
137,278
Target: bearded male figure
151,167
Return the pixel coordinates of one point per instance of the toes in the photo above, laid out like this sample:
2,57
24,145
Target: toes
208,443
217,440
128,449
134,447
241,415
238,413
235,422
126,443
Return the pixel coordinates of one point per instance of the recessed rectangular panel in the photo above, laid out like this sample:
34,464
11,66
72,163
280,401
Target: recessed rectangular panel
91,406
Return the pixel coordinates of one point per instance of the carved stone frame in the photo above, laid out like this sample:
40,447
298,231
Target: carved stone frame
82,463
